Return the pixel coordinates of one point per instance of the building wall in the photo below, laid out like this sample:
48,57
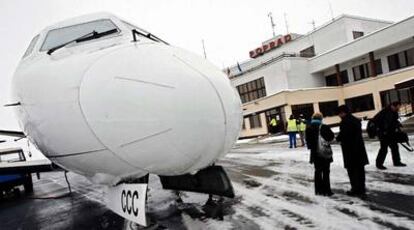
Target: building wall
324,38
248,132
287,99
373,85
287,73
298,75
274,76
386,37
365,25
377,84
296,80
292,73
381,54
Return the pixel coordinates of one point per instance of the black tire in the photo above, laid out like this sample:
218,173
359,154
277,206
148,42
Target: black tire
28,184
16,192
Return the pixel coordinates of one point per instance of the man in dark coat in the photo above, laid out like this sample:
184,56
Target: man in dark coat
353,150
322,164
388,125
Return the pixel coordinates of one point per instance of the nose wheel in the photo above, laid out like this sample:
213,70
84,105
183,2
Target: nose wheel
212,208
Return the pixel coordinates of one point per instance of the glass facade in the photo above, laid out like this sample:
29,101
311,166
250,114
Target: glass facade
328,108
252,90
360,103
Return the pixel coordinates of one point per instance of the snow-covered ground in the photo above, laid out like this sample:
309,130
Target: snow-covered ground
284,195
274,190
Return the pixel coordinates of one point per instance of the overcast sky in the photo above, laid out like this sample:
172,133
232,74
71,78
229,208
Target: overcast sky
230,28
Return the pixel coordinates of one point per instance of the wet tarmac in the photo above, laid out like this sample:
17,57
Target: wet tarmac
274,190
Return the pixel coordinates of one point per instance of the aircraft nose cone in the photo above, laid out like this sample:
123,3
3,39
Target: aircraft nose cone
152,110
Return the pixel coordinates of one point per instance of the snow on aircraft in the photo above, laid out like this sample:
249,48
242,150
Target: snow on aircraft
105,99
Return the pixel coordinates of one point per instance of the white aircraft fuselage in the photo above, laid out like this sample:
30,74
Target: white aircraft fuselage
112,108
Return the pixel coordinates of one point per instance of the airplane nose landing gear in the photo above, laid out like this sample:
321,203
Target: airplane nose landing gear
211,180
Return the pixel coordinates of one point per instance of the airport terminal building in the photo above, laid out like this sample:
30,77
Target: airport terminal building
350,60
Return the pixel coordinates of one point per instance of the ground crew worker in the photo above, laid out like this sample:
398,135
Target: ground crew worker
292,130
302,129
273,125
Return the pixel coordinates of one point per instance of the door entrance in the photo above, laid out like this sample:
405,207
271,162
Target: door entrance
279,114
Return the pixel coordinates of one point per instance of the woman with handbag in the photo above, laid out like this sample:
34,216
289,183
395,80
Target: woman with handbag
318,138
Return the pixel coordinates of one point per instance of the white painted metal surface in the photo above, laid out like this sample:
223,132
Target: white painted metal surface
110,108
128,201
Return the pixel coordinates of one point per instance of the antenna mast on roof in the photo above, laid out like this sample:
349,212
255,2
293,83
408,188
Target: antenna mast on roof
204,49
272,23
313,24
331,10
286,23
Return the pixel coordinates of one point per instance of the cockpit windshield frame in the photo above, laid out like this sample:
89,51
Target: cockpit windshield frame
31,46
113,25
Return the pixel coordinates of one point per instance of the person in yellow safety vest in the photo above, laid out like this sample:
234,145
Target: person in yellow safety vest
302,129
273,125
292,130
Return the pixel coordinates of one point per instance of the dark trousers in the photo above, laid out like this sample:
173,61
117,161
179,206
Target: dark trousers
322,181
292,139
302,137
357,179
382,154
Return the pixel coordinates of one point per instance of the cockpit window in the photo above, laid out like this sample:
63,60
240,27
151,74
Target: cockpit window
63,35
31,46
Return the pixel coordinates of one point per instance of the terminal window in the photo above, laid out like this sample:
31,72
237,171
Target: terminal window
331,80
357,34
303,109
404,96
363,71
308,52
360,103
401,59
252,90
328,108
255,121
378,67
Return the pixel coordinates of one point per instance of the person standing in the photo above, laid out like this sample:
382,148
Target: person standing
387,123
302,129
273,125
353,151
292,130
314,132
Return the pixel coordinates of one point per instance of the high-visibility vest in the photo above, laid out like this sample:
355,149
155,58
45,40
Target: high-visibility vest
302,126
273,122
292,126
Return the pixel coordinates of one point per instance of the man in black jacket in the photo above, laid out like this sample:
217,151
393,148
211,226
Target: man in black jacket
353,150
388,125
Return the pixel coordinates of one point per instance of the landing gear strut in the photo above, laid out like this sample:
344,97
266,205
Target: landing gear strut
211,180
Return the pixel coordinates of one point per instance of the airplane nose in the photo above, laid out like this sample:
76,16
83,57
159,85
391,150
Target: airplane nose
151,109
